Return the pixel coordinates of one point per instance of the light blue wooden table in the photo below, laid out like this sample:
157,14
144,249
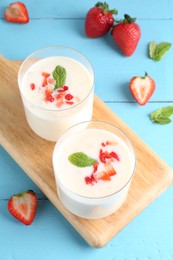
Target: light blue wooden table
148,236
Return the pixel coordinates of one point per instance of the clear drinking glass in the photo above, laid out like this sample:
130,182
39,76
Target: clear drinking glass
51,123
107,198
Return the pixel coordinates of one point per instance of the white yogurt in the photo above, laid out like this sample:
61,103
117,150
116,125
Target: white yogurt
51,111
99,189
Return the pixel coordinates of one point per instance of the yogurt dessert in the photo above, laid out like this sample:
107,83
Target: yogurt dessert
93,169
57,90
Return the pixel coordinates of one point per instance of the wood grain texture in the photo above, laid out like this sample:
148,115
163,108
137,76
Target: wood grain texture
34,155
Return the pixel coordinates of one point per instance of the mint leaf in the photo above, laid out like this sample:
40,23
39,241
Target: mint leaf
161,115
152,49
81,160
59,75
157,51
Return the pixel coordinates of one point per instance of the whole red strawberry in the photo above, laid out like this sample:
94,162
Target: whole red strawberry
127,34
99,20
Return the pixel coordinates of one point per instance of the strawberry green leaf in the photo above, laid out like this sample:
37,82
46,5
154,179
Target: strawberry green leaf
157,51
81,160
161,115
59,75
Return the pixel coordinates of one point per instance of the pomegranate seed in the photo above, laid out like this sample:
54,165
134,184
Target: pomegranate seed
68,97
32,85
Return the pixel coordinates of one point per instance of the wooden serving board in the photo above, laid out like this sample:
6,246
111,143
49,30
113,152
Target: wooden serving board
34,155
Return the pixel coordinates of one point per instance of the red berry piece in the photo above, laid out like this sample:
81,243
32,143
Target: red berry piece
50,98
102,156
32,85
115,156
68,97
69,103
65,88
45,74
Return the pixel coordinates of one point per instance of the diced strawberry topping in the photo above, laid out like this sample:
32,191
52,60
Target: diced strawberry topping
48,91
102,175
32,85
44,83
102,156
45,74
61,90
90,179
107,155
59,95
95,167
65,88
110,169
50,80
69,103
115,155
50,98
59,103
68,97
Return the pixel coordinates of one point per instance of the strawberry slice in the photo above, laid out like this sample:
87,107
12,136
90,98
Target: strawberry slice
102,175
142,88
16,13
109,169
23,206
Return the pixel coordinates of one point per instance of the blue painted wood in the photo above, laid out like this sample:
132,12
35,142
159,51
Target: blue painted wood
149,236
144,9
113,71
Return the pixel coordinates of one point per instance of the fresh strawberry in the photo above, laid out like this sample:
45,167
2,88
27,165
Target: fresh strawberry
16,13
99,20
142,88
127,34
23,206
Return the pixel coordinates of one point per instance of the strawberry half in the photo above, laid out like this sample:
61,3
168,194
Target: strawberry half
23,206
142,88
16,13
126,35
99,20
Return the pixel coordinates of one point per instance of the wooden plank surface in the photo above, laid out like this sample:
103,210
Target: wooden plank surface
34,155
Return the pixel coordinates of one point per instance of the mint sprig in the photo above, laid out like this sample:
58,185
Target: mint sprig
80,159
59,74
162,115
157,51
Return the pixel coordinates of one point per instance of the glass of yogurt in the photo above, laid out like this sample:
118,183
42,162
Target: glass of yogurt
93,164
57,86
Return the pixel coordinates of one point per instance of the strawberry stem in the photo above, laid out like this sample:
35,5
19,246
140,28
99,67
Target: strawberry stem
105,8
128,19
